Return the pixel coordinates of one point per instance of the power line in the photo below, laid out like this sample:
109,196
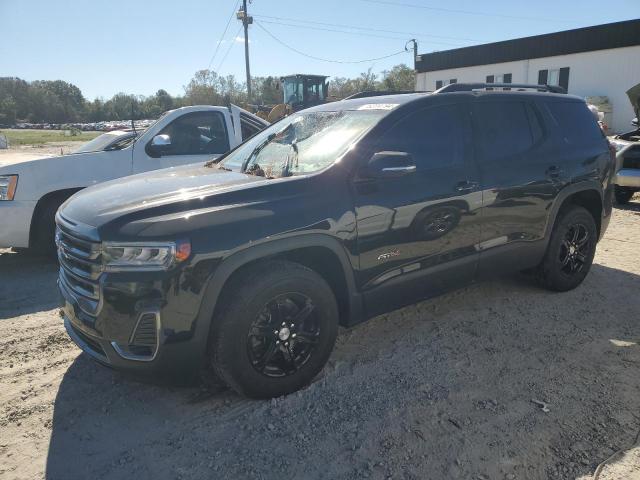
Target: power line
362,34
465,12
373,29
231,44
223,34
354,33
259,24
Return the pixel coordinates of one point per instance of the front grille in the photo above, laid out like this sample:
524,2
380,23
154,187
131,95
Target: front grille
632,158
80,266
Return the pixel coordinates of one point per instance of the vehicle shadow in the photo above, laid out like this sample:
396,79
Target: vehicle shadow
506,340
632,206
27,283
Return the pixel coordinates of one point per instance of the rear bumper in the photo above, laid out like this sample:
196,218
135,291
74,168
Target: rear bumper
16,223
628,177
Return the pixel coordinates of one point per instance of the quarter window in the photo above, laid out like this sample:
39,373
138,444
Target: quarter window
576,123
197,133
434,137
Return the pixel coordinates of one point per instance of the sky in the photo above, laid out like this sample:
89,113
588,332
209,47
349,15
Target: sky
136,46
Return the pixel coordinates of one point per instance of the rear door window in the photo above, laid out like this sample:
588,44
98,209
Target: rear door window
504,130
434,136
576,123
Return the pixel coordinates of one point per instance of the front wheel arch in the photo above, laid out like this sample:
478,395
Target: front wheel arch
57,197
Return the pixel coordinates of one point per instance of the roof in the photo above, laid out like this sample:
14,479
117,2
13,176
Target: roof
588,39
357,103
310,75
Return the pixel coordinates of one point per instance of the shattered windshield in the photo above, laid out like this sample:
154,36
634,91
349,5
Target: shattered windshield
302,143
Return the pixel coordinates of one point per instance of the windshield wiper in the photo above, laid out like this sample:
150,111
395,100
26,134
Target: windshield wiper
257,150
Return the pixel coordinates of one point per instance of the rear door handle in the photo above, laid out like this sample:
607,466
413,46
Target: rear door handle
466,186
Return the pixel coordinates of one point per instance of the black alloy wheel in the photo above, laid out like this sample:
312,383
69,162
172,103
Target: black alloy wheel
570,250
574,249
284,335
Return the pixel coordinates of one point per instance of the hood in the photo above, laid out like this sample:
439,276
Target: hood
634,97
150,191
12,157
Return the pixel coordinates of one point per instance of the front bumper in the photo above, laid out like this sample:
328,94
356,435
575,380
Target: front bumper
628,177
109,336
16,222
145,322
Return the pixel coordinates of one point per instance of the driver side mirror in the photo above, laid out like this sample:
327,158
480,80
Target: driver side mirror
389,164
158,145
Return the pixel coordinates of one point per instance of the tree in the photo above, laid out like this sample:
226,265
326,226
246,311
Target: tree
399,78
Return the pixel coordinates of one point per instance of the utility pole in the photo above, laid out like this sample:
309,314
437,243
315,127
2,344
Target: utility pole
246,21
415,53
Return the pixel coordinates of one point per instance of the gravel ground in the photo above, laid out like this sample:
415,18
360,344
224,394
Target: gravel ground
442,389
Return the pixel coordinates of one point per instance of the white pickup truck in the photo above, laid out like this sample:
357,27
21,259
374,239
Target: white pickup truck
32,189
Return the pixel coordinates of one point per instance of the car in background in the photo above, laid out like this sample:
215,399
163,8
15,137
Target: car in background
627,145
115,140
32,189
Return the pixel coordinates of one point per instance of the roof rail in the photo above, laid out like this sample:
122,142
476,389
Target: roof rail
468,87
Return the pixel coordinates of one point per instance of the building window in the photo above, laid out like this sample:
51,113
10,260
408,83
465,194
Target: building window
558,77
501,78
442,83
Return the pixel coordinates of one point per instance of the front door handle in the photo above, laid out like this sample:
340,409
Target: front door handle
466,186
554,171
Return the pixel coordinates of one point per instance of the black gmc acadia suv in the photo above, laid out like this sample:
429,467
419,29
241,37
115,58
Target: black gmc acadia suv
333,215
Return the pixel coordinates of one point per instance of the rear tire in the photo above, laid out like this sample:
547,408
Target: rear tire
623,195
275,331
570,251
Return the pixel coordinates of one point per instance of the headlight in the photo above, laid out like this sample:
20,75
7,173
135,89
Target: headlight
118,256
8,184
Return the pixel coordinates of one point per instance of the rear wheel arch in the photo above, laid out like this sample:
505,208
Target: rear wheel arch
586,195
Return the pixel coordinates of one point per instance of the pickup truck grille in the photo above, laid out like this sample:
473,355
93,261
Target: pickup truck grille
80,264
632,157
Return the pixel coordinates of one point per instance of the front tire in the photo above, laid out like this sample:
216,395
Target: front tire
44,225
276,330
570,251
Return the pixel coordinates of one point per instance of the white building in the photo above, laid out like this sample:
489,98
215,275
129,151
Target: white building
599,63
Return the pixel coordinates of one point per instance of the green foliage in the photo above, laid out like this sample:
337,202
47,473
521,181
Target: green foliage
56,101
399,78
39,137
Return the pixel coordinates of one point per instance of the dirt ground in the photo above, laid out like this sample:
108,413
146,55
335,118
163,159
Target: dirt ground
442,389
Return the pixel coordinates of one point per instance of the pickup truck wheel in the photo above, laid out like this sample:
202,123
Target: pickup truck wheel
623,195
570,251
44,224
276,331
